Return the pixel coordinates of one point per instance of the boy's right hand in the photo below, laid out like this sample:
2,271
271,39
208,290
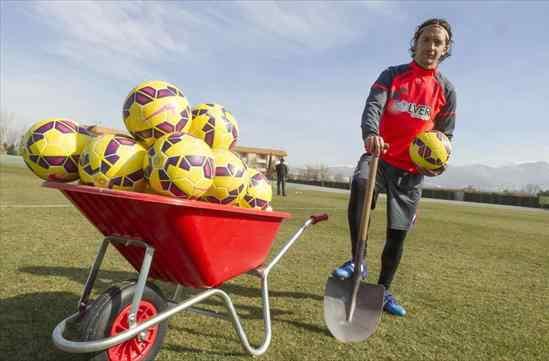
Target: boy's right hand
375,145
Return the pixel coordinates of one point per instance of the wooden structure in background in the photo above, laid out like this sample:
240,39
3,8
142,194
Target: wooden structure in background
96,129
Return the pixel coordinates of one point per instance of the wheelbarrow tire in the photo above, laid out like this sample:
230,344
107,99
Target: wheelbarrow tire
107,316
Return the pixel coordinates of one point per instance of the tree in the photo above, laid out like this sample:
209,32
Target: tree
10,132
339,177
323,172
317,173
12,149
311,172
471,189
532,189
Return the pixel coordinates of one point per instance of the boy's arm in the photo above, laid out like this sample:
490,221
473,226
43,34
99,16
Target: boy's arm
375,104
445,121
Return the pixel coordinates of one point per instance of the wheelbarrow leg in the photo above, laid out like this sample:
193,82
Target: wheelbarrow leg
263,274
177,293
94,270
92,276
140,286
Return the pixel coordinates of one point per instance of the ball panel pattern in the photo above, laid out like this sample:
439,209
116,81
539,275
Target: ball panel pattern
179,165
258,191
51,149
154,109
215,125
230,178
113,161
430,150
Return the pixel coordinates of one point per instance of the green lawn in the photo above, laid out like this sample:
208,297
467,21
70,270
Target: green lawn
473,279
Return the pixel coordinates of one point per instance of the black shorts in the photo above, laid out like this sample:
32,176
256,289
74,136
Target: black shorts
403,191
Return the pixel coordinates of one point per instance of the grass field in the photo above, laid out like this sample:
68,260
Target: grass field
473,279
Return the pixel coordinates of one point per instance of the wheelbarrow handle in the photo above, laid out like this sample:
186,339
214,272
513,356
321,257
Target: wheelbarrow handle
319,217
315,218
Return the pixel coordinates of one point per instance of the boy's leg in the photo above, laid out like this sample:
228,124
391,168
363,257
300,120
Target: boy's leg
403,195
354,211
390,258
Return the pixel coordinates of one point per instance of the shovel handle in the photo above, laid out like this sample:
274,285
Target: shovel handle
364,223
368,197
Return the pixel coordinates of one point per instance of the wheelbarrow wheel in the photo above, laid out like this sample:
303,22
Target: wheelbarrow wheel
107,316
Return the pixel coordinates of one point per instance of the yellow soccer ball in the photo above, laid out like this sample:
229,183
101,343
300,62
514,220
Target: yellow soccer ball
430,150
215,125
259,193
51,148
230,181
155,108
85,170
113,161
180,165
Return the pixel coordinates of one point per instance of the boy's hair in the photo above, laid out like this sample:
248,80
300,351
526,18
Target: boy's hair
435,21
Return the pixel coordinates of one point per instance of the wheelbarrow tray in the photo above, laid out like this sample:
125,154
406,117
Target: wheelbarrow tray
197,244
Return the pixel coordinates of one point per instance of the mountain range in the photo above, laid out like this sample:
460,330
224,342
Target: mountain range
517,177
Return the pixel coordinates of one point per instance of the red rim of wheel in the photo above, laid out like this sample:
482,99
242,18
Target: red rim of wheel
134,349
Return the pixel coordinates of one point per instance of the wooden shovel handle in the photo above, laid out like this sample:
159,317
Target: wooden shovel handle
364,222
368,197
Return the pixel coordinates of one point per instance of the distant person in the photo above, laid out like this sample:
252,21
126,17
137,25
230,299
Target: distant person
281,175
405,100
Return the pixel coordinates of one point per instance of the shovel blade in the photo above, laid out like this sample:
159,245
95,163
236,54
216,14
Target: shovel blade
366,316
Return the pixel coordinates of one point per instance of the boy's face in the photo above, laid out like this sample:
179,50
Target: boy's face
430,46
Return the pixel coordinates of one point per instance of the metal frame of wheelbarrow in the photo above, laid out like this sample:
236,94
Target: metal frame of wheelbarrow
138,329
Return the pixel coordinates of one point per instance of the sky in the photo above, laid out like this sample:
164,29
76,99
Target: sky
294,74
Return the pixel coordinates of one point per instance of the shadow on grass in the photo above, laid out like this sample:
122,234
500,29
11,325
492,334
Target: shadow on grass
107,278
104,280
254,292
28,321
178,348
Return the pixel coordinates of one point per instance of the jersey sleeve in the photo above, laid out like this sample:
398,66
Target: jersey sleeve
375,103
445,120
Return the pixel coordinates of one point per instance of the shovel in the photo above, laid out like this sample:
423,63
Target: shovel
352,309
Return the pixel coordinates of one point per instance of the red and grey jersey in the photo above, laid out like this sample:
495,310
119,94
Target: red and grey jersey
404,101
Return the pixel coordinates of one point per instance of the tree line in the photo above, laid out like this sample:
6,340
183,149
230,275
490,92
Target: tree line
11,132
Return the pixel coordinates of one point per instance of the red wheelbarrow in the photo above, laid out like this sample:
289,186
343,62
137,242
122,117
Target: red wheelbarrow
188,243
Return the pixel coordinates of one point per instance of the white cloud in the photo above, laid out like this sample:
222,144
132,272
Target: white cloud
116,39
316,25
114,36
134,29
310,24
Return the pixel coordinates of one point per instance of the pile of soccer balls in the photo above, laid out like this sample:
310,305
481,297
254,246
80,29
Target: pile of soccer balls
173,150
